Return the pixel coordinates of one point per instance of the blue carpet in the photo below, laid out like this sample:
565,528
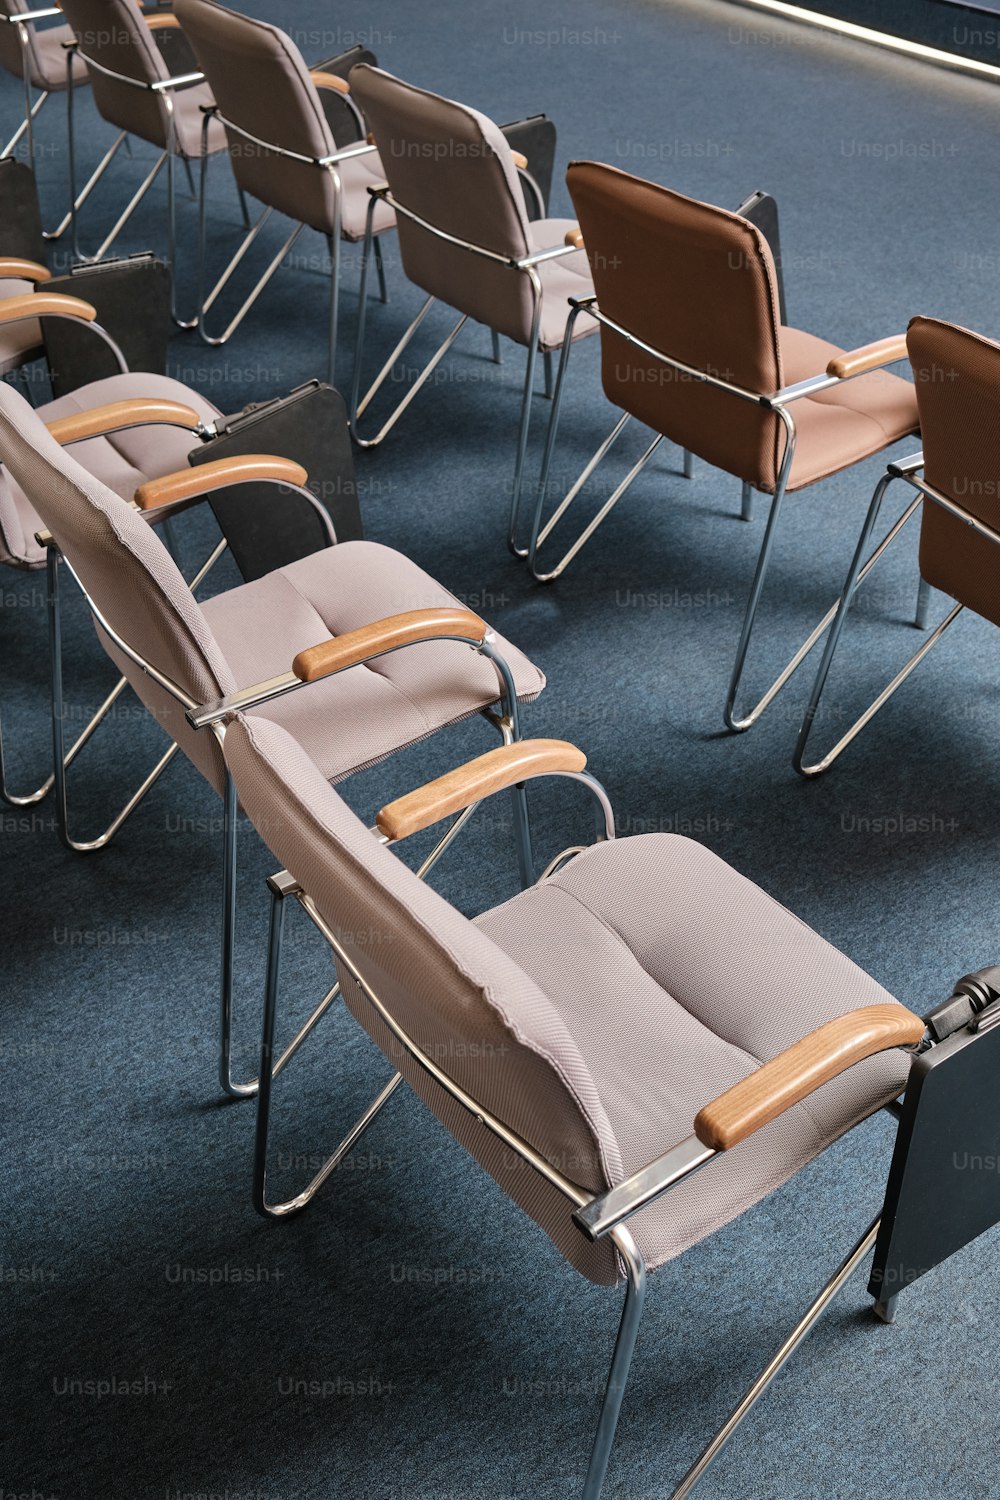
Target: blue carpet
412,1335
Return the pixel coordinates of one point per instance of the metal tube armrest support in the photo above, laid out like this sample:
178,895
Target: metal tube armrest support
753,1102
846,366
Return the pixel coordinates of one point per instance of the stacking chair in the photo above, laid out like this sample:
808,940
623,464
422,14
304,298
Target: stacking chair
126,430
135,92
957,375
282,149
465,239
641,1014
693,347
299,645
37,55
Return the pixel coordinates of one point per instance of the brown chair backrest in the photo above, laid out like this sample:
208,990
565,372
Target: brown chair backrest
957,375
261,83
697,283
114,34
452,166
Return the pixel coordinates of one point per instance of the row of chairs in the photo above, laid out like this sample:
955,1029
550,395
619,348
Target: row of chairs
510,1027
776,407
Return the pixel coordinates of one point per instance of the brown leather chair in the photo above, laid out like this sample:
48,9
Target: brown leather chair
693,347
957,376
282,148
135,91
465,239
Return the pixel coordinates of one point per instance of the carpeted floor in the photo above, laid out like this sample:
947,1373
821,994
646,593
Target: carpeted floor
412,1335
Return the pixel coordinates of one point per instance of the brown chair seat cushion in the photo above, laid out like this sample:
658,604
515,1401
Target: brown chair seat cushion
847,423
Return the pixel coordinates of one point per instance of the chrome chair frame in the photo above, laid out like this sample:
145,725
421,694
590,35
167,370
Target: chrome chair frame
779,403
31,110
599,1216
213,716
164,87
207,300
524,265
905,470
282,887
28,799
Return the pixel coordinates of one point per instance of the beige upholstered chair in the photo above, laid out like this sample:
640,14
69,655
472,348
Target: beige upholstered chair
957,375
465,239
135,92
319,646
282,148
37,55
641,1014
692,346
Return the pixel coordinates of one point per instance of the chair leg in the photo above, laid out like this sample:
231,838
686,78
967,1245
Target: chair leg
208,301
923,604
331,364
746,503
547,363
621,1362
358,404
688,464
383,291
787,1349
31,113
129,209
855,576
60,759
497,351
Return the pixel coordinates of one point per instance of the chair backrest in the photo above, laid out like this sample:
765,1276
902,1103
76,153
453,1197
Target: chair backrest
114,34
698,284
473,1011
126,570
957,376
261,84
452,166
11,47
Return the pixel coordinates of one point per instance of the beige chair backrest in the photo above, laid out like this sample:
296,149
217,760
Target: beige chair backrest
114,34
698,284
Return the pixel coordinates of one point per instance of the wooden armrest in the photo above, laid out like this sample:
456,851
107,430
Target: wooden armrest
330,81
506,766
574,237
23,270
387,635
868,357
520,160
45,305
118,414
202,479
801,1068
162,21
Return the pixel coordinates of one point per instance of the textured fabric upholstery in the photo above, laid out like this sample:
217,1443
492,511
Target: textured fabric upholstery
593,1015
114,34
958,391
452,166
354,719
262,84
699,284
122,460
22,340
46,54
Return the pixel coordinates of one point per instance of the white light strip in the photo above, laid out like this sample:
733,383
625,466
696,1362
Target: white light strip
877,38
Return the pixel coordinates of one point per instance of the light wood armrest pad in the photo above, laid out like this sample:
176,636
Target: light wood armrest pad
489,773
386,635
330,81
45,304
159,22
574,237
117,414
189,484
868,357
520,160
801,1068
24,270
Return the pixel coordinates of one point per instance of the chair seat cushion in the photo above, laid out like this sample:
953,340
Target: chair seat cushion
49,66
568,276
847,423
357,174
122,460
188,120
675,977
362,715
